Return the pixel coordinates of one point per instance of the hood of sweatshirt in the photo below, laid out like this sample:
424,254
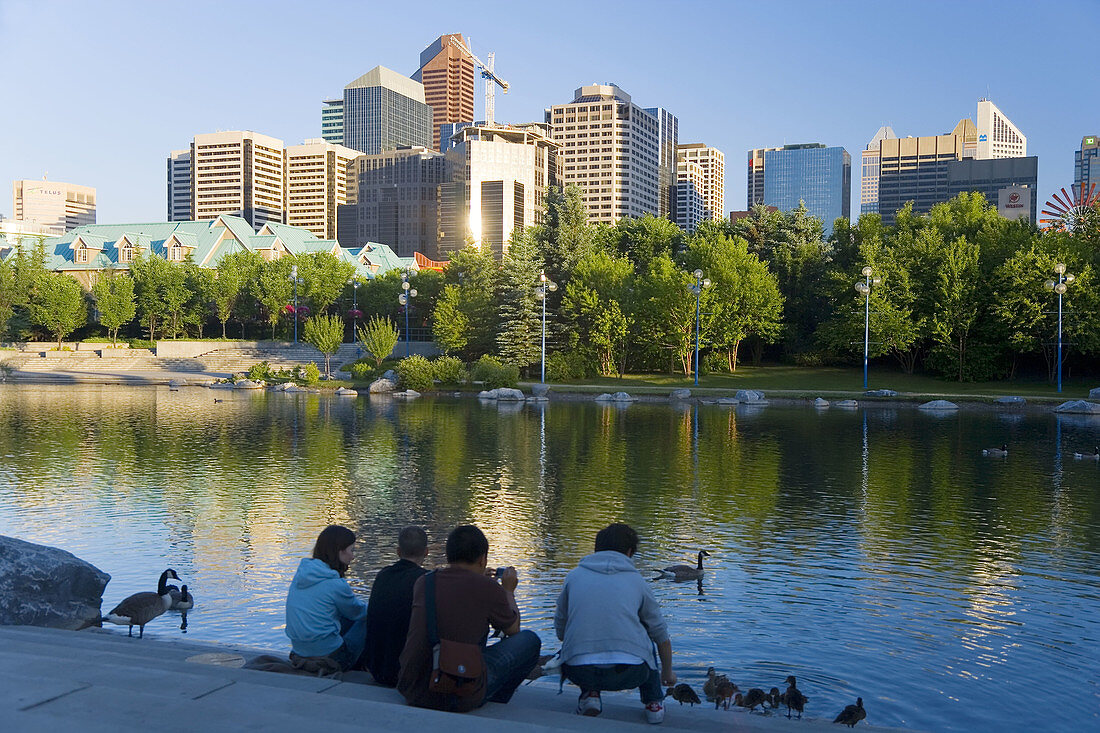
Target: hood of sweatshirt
608,562
312,571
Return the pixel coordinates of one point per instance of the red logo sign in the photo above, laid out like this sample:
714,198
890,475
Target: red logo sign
1013,198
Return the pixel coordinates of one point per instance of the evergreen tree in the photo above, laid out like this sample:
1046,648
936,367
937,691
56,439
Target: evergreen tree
519,339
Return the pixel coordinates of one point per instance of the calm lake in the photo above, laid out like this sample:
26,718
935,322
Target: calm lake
872,552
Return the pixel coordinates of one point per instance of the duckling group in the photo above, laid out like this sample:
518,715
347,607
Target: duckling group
718,688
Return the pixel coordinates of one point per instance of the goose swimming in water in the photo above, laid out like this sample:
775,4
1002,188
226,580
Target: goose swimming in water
1001,452
686,572
141,608
1094,456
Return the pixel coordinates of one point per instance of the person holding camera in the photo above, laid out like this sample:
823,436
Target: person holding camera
608,621
446,664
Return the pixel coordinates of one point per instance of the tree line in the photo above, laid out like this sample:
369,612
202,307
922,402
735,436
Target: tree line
963,294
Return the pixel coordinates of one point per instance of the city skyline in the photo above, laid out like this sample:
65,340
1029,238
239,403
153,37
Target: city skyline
729,86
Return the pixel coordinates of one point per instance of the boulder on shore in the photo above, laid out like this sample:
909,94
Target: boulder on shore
345,392
679,394
749,396
382,385
45,586
247,384
821,402
540,389
1094,394
1010,401
410,394
848,404
880,393
1079,407
938,405
505,394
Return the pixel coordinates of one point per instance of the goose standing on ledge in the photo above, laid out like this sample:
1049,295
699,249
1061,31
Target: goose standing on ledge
1001,452
141,608
1094,456
686,572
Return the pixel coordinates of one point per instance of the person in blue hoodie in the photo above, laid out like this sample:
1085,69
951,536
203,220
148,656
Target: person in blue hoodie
323,616
608,621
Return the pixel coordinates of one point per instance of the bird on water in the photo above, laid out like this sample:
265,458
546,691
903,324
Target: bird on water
141,608
687,572
1001,452
1095,455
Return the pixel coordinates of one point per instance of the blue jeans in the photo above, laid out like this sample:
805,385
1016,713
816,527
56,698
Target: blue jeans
609,677
355,641
508,662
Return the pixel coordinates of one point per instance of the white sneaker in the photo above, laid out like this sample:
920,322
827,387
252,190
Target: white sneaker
589,704
654,713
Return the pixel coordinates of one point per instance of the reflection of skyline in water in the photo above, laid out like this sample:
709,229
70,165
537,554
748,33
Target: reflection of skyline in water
872,552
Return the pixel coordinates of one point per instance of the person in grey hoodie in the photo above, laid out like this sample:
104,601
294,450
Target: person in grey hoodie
608,621
323,616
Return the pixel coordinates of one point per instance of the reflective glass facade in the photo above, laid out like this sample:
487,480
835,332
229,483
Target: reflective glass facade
1086,165
377,118
819,176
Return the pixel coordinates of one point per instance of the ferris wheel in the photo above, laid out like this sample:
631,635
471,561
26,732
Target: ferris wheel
1070,210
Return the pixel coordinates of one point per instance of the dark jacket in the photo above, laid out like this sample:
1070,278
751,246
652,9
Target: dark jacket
388,619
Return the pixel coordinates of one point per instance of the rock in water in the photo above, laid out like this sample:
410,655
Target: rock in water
382,385
1094,393
45,586
938,405
680,394
540,390
749,396
821,402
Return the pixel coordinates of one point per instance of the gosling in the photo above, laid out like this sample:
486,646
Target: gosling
852,714
682,693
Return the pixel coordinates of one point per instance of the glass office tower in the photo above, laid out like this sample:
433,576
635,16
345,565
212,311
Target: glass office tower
384,110
812,173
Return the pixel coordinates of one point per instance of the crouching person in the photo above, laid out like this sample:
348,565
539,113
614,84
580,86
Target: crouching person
445,664
608,622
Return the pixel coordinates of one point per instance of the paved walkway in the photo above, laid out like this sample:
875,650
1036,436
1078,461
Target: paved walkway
99,680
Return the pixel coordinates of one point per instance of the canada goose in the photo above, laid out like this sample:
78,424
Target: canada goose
1095,455
774,698
186,601
1001,452
724,691
686,572
216,400
753,697
852,714
713,678
794,698
141,608
682,693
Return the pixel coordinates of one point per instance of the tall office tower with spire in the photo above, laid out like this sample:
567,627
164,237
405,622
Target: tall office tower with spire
448,78
868,192
383,110
713,164
611,150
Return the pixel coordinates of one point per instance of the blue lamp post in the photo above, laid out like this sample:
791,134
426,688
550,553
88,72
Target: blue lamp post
544,287
697,288
405,299
863,287
1059,286
294,279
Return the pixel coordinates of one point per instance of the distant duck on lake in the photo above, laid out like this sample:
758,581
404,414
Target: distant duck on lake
1001,452
1094,456
687,572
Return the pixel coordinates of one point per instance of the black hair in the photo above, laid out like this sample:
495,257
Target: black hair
466,543
618,537
412,542
330,542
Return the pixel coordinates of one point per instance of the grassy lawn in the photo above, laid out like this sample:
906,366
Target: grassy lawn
799,381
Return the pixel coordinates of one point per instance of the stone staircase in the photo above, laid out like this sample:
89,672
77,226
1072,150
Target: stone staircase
99,680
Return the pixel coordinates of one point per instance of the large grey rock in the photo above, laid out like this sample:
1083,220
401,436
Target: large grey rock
605,397
1010,401
623,397
680,394
505,394
410,394
247,384
1094,394
390,375
821,402
938,405
847,404
749,395
1080,407
45,586
881,393
345,392
540,389
382,385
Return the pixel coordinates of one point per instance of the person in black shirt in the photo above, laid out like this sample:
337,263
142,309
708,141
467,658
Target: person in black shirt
390,606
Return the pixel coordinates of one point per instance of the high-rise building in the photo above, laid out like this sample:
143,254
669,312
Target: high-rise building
1086,165
55,206
713,163
316,184
915,169
819,176
868,199
393,199
997,136
179,185
756,177
239,173
447,74
499,187
691,202
668,139
332,121
384,110
998,179
612,152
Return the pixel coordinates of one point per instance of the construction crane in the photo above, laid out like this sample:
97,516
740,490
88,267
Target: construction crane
488,75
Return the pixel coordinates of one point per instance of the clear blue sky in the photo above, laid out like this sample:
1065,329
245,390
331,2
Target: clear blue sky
98,93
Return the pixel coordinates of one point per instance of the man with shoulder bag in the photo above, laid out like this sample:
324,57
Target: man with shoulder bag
446,664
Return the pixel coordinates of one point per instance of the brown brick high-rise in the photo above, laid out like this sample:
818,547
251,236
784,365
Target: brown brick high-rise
448,78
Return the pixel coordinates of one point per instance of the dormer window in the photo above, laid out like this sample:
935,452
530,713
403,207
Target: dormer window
82,253
126,254
175,252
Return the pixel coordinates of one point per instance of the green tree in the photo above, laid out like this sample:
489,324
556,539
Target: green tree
666,312
519,338
379,337
596,311
464,319
565,238
114,299
274,289
20,277
645,239
175,294
234,272
324,278
10,296
450,324
326,333
149,274
200,285
956,296
59,306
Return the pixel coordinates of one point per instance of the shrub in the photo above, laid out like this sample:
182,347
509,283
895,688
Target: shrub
415,372
494,374
310,373
566,366
142,344
449,371
379,337
259,371
361,371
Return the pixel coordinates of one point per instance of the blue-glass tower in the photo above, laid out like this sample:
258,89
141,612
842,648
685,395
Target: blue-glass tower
812,173
384,110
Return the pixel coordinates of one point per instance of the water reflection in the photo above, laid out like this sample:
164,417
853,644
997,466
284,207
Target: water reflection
871,552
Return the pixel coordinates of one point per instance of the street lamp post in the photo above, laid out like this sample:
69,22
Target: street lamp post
544,287
863,287
405,299
294,279
1059,286
697,288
